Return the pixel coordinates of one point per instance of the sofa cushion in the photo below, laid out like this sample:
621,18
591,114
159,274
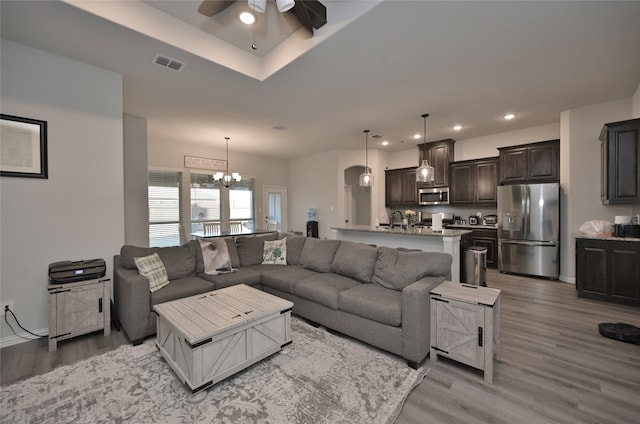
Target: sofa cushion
181,287
396,269
373,302
179,261
355,260
294,248
250,249
275,252
318,254
283,278
245,275
324,288
215,256
152,268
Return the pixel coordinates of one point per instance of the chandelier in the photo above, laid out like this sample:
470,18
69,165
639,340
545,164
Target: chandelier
366,178
425,172
226,179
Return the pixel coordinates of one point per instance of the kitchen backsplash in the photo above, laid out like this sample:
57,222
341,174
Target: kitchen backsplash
462,212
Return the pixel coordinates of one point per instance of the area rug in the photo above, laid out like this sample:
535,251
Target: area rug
319,378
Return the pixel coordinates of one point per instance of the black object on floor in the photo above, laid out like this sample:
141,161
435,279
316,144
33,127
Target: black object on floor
620,331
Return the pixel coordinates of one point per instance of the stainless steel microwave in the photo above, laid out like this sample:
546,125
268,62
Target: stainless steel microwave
433,196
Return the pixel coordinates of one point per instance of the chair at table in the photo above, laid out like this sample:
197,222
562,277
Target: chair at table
235,227
272,225
211,228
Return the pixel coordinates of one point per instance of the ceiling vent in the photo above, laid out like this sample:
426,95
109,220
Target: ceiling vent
168,62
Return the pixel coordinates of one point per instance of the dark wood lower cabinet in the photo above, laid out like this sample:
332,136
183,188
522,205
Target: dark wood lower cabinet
608,270
481,237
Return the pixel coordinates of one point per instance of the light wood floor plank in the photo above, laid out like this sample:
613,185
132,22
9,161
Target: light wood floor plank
555,366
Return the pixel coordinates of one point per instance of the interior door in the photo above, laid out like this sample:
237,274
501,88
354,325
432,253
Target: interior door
274,206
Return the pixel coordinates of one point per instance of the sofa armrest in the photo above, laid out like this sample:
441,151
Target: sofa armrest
132,301
416,318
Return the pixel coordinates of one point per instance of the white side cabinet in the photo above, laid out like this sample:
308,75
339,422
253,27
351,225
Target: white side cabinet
78,308
465,325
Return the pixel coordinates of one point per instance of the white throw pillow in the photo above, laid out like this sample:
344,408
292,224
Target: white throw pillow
215,255
152,267
275,252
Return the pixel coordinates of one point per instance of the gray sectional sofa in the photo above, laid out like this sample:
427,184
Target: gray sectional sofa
378,295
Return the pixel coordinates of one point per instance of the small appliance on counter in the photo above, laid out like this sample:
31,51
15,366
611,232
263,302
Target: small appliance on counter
490,220
627,230
474,220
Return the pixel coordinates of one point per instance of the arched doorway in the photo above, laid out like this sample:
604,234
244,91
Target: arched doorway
357,199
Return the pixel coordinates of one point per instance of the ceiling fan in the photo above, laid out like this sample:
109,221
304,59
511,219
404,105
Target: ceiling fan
310,13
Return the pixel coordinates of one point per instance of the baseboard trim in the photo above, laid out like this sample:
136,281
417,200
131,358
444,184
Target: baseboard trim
570,280
16,339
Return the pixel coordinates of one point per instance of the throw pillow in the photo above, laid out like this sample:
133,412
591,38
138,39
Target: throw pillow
152,267
275,252
215,256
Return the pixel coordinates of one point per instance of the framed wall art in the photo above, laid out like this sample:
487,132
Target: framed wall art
23,147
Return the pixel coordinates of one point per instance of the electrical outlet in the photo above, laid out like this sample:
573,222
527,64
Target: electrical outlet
3,306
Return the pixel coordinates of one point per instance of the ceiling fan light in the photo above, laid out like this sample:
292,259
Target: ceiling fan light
247,18
284,5
258,5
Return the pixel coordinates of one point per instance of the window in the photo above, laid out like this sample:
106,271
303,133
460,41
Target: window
164,208
205,201
241,205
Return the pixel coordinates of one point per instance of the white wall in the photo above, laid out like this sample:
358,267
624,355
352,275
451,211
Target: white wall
77,213
136,209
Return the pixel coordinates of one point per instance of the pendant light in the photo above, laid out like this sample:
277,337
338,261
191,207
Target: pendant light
227,179
425,172
366,178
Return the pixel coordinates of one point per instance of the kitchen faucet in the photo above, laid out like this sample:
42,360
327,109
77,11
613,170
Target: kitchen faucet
391,218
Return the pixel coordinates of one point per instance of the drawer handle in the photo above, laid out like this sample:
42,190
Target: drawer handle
480,336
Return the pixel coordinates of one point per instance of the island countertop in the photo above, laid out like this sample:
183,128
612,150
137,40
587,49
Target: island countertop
415,232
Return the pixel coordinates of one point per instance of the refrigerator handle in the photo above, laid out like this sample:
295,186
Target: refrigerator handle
527,211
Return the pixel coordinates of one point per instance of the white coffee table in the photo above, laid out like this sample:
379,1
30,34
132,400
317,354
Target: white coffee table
209,337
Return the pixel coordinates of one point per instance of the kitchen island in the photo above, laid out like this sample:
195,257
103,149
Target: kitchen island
447,241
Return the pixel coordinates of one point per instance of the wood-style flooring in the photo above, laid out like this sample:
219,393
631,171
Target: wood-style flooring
555,366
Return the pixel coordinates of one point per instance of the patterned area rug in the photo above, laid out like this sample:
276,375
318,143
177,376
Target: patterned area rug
320,378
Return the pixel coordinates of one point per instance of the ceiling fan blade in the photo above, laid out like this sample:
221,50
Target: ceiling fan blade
317,12
213,7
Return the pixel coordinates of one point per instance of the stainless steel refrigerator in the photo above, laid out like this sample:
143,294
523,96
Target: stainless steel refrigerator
529,229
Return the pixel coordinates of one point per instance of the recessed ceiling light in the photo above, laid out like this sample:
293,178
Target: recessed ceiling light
385,143
247,17
457,127
509,116
417,136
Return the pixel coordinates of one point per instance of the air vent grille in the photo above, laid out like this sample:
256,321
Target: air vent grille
168,62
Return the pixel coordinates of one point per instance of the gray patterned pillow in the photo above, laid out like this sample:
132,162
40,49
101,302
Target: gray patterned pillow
275,252
152,267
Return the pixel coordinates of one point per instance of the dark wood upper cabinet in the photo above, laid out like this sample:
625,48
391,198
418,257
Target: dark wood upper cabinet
620,162
474,181
530,163
440,155
400,187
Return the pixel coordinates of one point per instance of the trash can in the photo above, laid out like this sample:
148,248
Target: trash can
474,266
